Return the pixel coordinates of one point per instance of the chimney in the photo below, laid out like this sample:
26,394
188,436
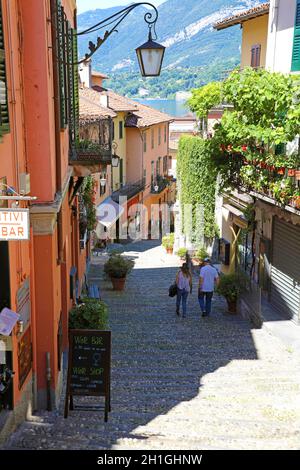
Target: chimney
85,73
104,100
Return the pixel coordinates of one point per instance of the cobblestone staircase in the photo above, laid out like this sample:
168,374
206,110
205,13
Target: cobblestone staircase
178,383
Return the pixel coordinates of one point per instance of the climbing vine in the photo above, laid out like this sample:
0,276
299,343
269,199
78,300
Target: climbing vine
197,175
249,147
88,196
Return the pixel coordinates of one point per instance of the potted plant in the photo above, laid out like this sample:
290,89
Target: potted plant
117,268
295,200
200,255
182,253
230,286
168,243
91,314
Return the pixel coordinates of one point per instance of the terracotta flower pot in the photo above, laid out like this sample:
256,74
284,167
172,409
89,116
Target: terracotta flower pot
232,306
169,251
297,174
296,202
118,284
291,172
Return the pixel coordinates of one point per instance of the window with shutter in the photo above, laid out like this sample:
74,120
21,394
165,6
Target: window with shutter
4,116
296,47
61,48
67,52
255,56
75,86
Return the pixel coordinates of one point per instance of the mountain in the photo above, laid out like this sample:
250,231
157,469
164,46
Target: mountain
185,27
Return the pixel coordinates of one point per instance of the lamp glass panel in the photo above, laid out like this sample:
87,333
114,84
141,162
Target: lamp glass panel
151,61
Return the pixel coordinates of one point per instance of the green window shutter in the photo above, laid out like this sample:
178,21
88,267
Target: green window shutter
121,171
61,48
70,81
74,84
4,116
296,47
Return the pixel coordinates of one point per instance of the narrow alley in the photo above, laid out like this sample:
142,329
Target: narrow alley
194,383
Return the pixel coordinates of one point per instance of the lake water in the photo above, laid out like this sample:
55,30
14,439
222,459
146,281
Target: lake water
172,107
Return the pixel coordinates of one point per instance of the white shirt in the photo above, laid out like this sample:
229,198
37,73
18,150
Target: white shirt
183,282
209,275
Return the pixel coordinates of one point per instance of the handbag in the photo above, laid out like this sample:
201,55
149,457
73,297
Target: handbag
173,290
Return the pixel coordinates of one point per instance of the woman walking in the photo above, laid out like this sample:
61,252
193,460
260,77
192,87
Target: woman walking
184,287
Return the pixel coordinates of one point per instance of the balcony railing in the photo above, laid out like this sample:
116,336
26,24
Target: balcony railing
129,190
92,147
160,185
90,154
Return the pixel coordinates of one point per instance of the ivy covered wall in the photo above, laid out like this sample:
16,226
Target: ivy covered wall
197,177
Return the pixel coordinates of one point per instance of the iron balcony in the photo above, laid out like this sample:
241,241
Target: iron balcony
160,185
129,190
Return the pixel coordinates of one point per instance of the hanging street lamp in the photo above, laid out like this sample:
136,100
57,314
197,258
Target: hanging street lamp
115,159
150,55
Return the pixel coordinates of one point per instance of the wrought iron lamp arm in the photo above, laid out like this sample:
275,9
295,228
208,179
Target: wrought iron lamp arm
150,18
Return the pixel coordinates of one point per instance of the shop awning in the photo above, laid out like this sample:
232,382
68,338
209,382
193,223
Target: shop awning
108,212
238,216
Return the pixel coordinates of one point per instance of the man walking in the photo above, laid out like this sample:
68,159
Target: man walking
208,280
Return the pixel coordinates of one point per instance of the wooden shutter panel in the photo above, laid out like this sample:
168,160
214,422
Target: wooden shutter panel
4,116
73,94
61,48
258,53
70,84
296,47
255,55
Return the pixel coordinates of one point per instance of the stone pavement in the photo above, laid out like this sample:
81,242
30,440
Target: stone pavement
188,384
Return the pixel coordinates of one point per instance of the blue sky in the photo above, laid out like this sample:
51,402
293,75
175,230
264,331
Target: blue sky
84,5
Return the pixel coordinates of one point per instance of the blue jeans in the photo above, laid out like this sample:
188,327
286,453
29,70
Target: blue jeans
205,299
182,294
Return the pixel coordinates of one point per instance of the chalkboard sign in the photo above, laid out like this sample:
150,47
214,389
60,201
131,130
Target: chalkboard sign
89,366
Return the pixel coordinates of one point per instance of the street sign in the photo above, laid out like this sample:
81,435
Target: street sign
14,224
89,367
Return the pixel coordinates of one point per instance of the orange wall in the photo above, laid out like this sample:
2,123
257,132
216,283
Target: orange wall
138,159
48,302
38,85
30,147
13,161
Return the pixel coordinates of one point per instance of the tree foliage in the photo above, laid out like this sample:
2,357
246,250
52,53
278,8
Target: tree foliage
170,81
205,98
249,144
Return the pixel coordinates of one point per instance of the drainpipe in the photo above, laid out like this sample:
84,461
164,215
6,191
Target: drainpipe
57,128
48,378
275,24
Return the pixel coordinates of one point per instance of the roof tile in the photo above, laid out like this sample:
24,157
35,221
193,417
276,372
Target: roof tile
89,109
245,15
